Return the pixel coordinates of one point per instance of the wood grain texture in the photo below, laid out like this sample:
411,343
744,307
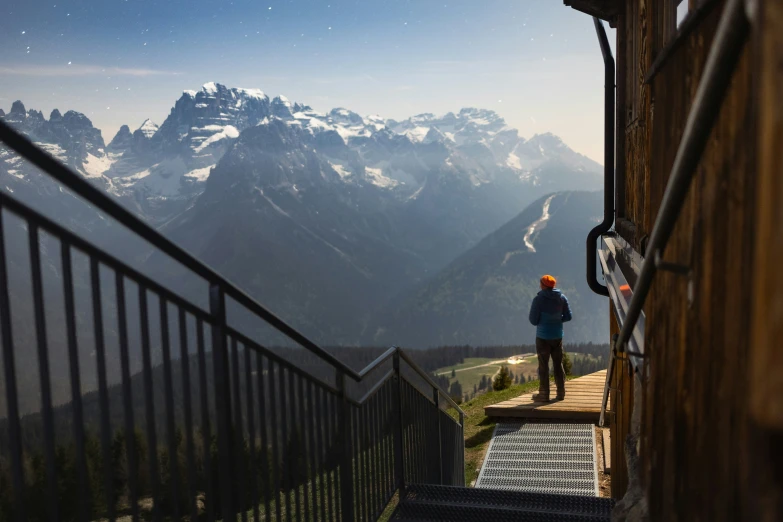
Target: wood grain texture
621,398
767,329
582,402
713,412
764,433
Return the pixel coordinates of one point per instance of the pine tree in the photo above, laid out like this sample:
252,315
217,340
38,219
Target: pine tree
502,379
453,373
6,504
118,465
455,391
522,379
567,366
67,486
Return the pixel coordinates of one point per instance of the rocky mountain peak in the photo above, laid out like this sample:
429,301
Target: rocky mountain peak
435,135
35,117
344,116
547,141
282,107
121,140
18,108
18,113
147,129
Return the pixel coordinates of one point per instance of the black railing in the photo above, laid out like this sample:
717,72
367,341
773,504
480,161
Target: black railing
197,419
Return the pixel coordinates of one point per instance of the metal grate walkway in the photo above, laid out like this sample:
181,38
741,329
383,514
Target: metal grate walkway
542,458
425,503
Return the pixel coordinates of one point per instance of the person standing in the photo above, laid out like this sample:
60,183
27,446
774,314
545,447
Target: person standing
548,312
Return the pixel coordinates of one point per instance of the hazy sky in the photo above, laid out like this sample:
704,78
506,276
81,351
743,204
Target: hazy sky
536,62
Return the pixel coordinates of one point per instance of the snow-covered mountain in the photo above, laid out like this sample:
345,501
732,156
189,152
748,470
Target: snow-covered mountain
322,216
162,169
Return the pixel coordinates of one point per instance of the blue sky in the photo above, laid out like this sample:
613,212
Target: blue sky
536,62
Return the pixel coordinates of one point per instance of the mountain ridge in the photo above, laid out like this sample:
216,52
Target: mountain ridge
483,296
304,208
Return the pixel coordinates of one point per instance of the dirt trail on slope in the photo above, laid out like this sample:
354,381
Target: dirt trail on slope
491,363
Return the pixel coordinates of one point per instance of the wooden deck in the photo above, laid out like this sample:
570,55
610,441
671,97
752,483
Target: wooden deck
582,402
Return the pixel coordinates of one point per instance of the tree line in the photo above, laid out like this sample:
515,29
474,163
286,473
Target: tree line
264,466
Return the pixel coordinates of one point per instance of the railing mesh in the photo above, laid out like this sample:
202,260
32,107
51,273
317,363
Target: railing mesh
144,405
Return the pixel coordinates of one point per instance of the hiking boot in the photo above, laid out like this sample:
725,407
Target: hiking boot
540,397
560,395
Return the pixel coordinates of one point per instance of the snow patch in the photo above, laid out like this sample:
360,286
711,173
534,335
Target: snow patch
162,180
209,128
209,88
192,94
229,131
417,134
94,167
54,150
199,174
253,93
340,170
415,195
538,224
350,132
379,180
513,161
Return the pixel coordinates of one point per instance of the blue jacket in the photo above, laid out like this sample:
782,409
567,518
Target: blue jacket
548,313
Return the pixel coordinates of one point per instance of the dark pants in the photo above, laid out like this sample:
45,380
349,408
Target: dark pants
545,348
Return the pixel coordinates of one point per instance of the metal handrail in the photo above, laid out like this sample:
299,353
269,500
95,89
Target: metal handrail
388,354
344,434
28,150
429,380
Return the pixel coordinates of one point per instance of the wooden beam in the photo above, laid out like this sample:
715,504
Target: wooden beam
606,10
766,364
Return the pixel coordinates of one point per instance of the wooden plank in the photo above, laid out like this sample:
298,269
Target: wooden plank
578,415
582,402
606,440
619,421
767,330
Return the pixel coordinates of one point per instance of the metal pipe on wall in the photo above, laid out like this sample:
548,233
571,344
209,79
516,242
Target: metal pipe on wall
609,128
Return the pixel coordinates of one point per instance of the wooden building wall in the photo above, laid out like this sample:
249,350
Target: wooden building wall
765,392
620,403
699,448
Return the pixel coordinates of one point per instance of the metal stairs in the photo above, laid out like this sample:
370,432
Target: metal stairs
425,503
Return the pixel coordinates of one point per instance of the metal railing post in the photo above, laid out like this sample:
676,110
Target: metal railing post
399,461
461,471
436,400
346,463
217,308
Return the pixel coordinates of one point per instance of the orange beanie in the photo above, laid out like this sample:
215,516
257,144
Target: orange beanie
549,281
